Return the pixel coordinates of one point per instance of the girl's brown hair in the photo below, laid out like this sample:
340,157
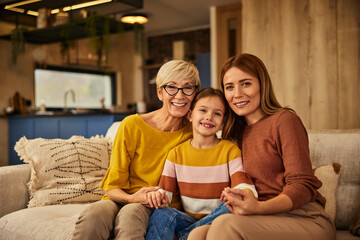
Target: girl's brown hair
212,92
254,66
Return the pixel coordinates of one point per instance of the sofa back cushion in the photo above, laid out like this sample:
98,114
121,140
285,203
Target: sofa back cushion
111,132
342,146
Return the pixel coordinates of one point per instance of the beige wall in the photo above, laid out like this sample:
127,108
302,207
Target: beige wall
20,77
311,49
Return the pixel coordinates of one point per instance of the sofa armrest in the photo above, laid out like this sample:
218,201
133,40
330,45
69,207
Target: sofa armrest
13,188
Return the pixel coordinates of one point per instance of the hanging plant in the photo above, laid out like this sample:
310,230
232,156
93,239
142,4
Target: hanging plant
120,30
106,40
65,43
137,20
139,38
99,45
18,43
99,36
92,33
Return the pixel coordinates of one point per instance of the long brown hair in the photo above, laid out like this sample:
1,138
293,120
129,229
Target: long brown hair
254,66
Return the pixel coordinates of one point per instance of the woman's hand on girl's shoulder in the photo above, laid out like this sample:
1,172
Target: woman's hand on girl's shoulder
156,199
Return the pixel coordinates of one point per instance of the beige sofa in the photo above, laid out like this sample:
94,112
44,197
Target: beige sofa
58,221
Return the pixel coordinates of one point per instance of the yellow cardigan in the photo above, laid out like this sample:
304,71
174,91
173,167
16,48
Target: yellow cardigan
139,154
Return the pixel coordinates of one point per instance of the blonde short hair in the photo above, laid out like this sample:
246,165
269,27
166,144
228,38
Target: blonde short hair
177,70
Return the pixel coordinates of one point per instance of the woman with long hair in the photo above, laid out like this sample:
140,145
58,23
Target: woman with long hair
275,149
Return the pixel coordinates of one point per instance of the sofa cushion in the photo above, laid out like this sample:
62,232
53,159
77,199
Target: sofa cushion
13,181
47,222
355,227
65,171
111,132
329,176
342,146
345,235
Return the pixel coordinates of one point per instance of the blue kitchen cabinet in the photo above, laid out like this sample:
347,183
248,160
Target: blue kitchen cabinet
98,125
51,127
18,127
73,126
44,127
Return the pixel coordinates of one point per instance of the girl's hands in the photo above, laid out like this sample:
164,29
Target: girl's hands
157,199
140,196
240,202
118,195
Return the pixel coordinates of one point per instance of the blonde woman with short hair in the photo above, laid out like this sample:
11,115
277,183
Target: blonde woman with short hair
138,155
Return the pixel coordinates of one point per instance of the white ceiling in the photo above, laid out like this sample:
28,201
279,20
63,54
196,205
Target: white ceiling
175,15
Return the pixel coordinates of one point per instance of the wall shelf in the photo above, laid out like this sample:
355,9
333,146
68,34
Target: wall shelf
73,30
22,18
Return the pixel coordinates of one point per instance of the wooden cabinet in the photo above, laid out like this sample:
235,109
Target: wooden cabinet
56,127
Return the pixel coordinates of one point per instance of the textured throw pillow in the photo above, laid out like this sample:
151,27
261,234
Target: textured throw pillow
65,171
329,176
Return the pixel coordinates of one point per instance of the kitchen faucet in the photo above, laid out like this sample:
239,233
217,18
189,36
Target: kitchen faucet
65,98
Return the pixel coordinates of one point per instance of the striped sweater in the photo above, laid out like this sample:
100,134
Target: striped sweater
200,175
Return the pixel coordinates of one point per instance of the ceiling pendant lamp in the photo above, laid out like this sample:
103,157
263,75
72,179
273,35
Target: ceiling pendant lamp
134,18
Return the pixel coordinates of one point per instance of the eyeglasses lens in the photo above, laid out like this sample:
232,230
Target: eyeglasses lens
172,90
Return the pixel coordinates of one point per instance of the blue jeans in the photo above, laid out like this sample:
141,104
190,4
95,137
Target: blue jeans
165,223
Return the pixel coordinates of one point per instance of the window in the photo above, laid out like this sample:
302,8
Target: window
54,84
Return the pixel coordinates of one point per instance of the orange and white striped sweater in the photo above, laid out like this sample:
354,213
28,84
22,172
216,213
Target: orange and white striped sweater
200,175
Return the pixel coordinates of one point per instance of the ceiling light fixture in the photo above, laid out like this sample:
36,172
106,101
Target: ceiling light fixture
135,18
86,4
19,10
12,7
55,11
33,13
20,3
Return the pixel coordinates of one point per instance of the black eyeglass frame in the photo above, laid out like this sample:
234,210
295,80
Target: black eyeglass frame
178,89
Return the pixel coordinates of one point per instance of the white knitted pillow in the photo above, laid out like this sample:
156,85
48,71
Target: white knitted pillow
65,171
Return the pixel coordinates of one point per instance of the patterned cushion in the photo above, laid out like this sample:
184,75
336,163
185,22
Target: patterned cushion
65,171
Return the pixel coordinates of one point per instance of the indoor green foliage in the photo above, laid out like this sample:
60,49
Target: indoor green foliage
18,43
139,38
98,30
65,42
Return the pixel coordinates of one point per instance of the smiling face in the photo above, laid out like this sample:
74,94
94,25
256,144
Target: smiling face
207,116
179,104
242,91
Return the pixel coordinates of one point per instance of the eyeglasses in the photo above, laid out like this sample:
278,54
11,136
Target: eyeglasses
172,90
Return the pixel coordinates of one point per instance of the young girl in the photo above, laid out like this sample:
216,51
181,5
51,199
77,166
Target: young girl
199,169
